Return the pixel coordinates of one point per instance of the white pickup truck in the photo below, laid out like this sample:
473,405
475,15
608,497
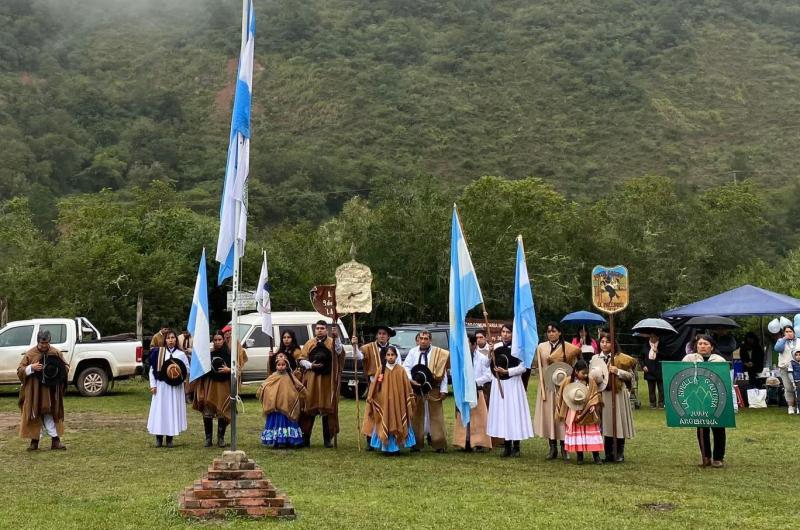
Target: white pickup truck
93,362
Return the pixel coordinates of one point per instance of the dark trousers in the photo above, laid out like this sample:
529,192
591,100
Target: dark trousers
704,440
307,426
652,387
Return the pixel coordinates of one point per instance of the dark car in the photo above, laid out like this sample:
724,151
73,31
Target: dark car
404,340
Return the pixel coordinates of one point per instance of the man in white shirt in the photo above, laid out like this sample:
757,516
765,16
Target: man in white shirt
429,414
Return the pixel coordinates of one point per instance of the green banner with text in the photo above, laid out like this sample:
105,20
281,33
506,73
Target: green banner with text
698,394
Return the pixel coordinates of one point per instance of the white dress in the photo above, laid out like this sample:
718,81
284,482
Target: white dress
510,416
168,405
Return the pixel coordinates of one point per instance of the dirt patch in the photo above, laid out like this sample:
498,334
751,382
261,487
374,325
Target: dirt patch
80,421
658,506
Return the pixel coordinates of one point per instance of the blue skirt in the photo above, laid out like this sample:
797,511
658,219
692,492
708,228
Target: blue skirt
391,444
280,430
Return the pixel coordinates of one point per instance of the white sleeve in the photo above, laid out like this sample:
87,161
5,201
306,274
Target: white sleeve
624,375
357,353
151,376
483,373
517,370
305,363
409,363
337,345
29,369
443,384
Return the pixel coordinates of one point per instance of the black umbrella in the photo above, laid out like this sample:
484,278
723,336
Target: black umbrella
713,322
656,326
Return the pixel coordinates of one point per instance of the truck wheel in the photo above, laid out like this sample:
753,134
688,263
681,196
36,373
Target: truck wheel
92,382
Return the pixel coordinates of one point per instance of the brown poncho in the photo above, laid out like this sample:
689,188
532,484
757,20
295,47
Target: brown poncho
323,389
36,400
391,405
584,417
213,397
279,394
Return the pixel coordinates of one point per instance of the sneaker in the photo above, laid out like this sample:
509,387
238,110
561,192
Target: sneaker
791,410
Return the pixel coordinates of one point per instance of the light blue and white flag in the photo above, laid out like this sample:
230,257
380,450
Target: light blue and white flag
198,325
465,293
234,193
262,297
525,336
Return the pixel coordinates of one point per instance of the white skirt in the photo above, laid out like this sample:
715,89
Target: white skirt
167,411
509,416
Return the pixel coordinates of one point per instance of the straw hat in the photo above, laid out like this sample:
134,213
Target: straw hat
598,371
575,395
554,374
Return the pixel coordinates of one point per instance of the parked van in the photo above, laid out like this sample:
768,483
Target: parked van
259,344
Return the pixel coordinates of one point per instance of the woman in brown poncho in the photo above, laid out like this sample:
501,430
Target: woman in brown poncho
280,397
391,407
212,395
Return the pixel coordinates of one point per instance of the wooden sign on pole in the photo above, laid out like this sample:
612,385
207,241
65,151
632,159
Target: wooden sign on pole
610,294
354,295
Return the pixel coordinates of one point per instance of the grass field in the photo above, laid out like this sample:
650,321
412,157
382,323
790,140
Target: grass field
112,477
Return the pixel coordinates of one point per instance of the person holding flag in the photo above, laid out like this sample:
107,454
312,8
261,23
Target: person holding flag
212,393
510,415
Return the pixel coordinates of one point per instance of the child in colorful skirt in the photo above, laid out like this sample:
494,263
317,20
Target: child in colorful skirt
280,397
391,407
579,407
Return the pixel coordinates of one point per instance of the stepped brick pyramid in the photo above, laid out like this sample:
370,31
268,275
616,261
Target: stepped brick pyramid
234,485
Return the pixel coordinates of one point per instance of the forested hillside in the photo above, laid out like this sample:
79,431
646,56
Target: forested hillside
114,118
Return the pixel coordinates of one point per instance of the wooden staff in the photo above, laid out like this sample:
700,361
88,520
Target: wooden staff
337,380
541,376
613,381
358,390
491,349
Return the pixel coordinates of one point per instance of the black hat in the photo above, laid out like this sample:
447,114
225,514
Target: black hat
53,371
322,355
389,330
170,375
504,359
217,363
422,375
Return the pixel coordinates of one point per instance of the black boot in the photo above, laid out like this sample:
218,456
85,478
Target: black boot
515,449
564,453
579,458
608,448
553,453
208,427
326,432
368,439
620,450
169,442
159,440
506,449
596,457
221,426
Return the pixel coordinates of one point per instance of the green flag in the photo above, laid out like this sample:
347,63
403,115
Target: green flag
698,394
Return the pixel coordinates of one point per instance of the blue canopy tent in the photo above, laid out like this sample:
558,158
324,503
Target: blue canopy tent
746,300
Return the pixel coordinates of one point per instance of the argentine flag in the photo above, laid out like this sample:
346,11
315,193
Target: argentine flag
234,192
465,293
198,325
525,336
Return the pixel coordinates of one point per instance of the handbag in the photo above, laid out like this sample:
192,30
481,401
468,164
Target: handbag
757,398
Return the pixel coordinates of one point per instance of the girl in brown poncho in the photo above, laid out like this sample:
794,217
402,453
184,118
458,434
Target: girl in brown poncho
280,398
391,407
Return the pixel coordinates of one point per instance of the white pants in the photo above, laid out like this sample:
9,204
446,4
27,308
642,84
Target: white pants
788,386
48,426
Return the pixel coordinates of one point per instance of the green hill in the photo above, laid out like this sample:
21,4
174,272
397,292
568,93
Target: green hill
351,94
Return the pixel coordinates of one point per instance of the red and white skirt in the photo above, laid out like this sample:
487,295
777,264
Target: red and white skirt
582,438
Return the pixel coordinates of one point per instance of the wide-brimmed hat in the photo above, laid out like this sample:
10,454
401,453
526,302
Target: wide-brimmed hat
218,363
554,374
576,395
598,371
692,358
173,372
504,359
54,372
422,375
322,355
389,330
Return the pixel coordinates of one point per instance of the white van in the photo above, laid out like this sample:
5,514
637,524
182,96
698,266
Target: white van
259,344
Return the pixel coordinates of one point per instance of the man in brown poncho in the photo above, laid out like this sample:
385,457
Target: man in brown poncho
322,389
42,407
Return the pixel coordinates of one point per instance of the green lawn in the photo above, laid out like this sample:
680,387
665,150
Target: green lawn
113,477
